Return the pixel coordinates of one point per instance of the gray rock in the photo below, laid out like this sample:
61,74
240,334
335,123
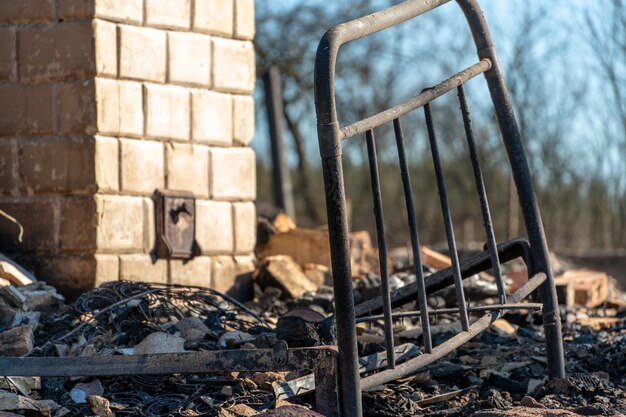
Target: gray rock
191,323
234,339
192,328
160,343
41,297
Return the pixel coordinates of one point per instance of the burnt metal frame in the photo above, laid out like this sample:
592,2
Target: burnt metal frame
330,136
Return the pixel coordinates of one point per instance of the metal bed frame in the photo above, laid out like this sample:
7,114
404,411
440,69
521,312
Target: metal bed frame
534,251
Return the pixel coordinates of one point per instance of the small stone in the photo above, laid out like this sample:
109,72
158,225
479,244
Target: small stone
281,271
297,332
242,410
82,390
22,318
191,323
88,351
250,384
11,402
7,312
17,341
160,343
227,390
41,297
234,339
265,340
13,296
100,406
530,402
61,350
267,380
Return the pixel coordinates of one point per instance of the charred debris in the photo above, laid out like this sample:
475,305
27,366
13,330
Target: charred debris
501,372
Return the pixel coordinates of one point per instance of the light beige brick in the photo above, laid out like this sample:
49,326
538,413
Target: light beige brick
232,174
105,38
107,163
189,56
243,120
212,118
120,223
131,108
77,108
40,219
214,227
78,227
141,268
244,19
107,106
142,53
120,11
214,16
9,168
196,271
188,168
244,215
26,109
75,9
119,107
167,112
57,52
171,14
25,11
233,66
226,270
107,269
8,63
58,166
142,166
149,226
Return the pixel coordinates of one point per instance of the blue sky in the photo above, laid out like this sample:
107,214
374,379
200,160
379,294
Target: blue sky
503,16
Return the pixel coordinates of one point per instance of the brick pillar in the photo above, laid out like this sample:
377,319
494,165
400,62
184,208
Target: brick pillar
103,102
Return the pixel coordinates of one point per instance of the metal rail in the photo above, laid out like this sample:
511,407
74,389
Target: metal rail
534,252
321,360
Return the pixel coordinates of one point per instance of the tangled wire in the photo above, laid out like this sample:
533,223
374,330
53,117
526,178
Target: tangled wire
121,314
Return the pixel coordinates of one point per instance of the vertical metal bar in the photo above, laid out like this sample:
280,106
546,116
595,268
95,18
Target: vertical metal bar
348,357
512,211
523,182
447,218
350,401
415,243
382,247
482,193
326,401
283,191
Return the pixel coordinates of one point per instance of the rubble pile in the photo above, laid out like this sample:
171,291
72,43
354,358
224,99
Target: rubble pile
501,372
124,318
505,368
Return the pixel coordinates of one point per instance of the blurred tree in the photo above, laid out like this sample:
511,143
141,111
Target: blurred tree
579,205
606,37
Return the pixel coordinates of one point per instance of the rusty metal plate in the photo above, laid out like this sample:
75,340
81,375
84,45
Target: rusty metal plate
175,224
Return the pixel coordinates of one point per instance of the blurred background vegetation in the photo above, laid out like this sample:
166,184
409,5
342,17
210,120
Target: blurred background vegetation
565,65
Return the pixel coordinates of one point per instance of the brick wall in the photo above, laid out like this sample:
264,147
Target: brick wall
103,102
